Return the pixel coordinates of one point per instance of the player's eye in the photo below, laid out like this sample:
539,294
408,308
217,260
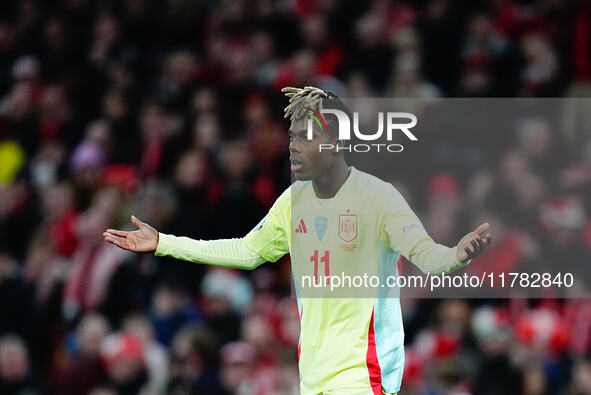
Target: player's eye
314,137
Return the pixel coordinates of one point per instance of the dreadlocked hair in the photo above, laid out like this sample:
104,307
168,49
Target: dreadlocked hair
301,100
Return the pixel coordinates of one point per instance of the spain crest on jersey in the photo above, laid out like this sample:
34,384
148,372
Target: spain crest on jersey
348,226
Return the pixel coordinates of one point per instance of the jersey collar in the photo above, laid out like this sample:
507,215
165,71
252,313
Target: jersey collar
342,189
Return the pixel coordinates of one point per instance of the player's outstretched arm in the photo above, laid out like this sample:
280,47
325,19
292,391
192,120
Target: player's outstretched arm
145,239
268,241
231,253
473,243
436,259
408,236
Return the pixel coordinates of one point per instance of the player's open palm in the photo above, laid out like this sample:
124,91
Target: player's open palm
473,243
145,239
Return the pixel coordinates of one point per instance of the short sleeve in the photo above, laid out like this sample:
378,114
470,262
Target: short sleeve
270,237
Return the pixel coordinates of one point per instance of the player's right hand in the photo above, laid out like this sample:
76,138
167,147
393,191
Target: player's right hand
145,239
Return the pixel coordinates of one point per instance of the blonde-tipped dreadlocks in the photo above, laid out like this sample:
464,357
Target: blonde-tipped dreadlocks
301,100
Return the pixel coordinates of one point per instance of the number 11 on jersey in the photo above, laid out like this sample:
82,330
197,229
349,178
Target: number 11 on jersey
326,260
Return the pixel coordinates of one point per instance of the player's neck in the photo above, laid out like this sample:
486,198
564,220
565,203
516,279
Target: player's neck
331,181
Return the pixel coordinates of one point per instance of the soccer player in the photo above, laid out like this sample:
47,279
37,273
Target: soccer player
334,219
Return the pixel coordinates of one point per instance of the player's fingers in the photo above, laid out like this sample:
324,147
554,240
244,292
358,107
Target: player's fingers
477,247
481,244
121,238
136,222
488,239
117,232
482,228
117,241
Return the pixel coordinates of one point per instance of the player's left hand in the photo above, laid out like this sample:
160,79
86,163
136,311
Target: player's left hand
473,243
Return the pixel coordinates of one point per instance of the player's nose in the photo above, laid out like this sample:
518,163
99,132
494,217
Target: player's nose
294,146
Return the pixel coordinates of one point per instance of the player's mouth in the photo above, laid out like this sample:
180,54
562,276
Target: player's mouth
296,165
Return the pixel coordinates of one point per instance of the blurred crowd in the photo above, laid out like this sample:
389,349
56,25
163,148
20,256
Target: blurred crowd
171,110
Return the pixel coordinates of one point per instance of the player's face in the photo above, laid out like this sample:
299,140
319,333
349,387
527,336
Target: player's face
307,162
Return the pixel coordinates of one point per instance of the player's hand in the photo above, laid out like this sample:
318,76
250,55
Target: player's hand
473,243
145,239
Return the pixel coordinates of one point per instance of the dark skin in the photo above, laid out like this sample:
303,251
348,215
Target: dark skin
327,170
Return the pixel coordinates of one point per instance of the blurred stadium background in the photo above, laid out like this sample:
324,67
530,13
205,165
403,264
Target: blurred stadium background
171,110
